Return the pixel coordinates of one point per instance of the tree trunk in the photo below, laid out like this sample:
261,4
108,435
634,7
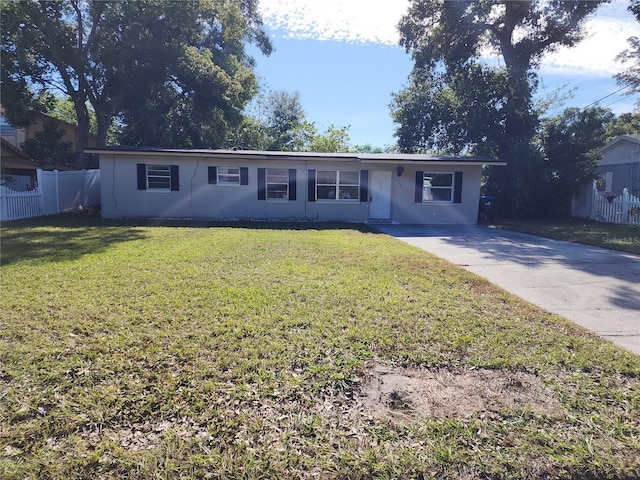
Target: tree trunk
104,121
83,132
520,121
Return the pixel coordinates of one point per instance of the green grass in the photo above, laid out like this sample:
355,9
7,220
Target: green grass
148,352
625,238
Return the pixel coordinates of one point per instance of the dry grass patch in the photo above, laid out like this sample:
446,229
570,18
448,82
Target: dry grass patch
426,393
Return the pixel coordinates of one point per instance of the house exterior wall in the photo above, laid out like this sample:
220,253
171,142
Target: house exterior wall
622,159
197,198
405,210
620,152
623,176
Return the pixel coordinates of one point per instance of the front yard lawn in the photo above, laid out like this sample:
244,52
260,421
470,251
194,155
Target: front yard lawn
290,351
625,238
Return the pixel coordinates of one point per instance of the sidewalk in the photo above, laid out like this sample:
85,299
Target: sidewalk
596,288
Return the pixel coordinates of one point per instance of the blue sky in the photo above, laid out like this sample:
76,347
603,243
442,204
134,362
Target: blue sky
343,59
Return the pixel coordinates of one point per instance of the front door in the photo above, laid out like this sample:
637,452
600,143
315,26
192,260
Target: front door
380,208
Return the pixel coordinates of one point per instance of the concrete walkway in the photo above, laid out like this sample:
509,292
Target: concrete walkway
596,288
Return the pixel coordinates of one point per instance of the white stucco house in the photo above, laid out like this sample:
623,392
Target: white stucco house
257,185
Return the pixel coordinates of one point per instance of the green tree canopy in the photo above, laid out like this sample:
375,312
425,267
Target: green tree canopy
176,73
277,122
631,76
461,112
457,102
334,140
286,126
571,145
47,148
624,124
367,148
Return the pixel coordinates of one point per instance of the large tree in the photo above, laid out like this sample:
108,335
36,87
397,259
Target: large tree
277,122
461,112
571,143
490,106
333,140
624,124
177,64
286,126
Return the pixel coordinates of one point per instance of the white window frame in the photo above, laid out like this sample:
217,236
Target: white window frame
337,197
226,177
158,173
276,177
428,190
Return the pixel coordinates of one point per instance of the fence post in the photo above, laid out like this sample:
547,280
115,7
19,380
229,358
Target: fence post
4,204
594,202
57,181
40,186
84,188
625,205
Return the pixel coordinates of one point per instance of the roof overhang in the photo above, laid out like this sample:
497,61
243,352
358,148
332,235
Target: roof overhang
621,138
255,155
13,157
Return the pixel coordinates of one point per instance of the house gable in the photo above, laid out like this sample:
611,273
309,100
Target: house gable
623,149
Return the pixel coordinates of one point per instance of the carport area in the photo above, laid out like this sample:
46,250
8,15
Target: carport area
596,288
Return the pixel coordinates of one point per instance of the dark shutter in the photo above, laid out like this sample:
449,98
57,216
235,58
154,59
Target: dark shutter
457,187
142,176
244,176
213,175
292,184
262,184
175,180
419,185
311,185
364,186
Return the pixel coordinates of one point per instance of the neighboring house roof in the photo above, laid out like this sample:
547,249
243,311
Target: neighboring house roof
13,157
16,136
621,138
268,155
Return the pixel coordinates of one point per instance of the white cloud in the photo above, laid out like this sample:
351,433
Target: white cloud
607,35
375,21
360,21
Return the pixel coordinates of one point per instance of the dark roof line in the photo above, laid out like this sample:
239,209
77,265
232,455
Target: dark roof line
259,154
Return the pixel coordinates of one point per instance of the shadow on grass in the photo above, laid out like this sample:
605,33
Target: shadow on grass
624,238
61,238
65,237
297,225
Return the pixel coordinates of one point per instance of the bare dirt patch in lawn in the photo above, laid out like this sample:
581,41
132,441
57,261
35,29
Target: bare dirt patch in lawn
404,393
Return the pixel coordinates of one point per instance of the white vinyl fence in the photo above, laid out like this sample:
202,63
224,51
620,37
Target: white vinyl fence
55,192
623,208
16,204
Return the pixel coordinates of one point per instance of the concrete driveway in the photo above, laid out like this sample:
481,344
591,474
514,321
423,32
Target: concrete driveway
596,288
